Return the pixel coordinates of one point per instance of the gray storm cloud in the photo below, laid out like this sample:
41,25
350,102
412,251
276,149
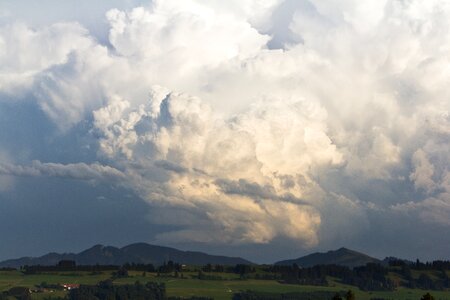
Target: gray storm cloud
80,171
212,124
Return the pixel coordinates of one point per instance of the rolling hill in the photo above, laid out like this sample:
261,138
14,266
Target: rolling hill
342,256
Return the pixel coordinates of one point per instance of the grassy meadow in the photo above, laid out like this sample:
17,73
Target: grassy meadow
189,286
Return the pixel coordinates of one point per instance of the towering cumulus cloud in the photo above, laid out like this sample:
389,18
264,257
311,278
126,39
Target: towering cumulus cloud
250,175
237,128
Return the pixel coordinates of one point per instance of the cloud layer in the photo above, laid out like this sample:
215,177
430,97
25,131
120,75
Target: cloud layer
233,141
80,171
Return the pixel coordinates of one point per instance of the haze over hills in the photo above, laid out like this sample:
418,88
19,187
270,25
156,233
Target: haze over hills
134,253
342,256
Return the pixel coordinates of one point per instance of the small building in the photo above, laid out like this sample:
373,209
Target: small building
70,286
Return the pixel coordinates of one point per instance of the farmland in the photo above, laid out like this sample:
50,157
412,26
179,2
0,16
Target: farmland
186,285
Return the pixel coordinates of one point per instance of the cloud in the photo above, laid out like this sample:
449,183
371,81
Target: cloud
431,210
243,141
6,182
21,44
432,176
79,171
233,171
169,166
423,172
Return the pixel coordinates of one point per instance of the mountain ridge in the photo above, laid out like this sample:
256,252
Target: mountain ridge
155,254
341,256
133,253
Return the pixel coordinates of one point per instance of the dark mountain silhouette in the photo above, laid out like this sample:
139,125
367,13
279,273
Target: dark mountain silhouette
134,253
342,256
49,259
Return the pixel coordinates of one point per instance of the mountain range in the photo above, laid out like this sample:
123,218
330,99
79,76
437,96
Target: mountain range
157,255
134,253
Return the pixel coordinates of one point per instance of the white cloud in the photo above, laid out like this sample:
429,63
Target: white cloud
361,89
431,175
25,52
423,172
222,166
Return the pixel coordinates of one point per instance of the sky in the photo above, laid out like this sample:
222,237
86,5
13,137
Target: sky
266,129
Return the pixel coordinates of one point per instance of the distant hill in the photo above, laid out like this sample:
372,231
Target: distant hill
342,256
134,253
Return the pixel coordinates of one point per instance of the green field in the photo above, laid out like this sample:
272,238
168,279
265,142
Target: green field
188,286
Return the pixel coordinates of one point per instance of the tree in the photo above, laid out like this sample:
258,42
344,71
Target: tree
20,292
337,297
207,268
425,282
122,272
66,264
200,275
350,295
427,296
